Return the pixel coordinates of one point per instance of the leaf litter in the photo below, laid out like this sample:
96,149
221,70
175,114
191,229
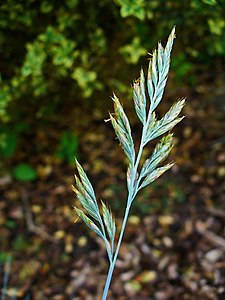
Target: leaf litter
175,244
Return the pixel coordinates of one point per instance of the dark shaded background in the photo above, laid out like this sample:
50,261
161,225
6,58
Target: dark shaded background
60,62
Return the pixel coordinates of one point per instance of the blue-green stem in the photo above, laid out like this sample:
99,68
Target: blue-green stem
132,193
112,265
6,278
110,253
129,202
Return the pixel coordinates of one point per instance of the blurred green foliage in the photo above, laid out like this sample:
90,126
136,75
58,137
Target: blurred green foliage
24,172
68,147
3,257
166,195
57,53
20,243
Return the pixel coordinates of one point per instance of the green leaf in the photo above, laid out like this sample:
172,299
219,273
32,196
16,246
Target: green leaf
8,143
109,222
85,79
132,52
11,224
46,7
216,26
24,172
210,2
132,8
71,3
34,60
89,222
68,147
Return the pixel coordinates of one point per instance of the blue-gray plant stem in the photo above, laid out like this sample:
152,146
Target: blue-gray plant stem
112,265
104,234
131,195
6,278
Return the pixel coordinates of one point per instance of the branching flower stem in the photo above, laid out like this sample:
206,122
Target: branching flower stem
133,188
149,171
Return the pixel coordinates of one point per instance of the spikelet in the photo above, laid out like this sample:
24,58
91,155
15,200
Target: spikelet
144,89
109,221
122,129
158,71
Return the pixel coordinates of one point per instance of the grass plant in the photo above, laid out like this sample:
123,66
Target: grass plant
147,94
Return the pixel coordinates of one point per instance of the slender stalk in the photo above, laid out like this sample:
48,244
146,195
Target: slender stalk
6,278
104,234
131,195
112,265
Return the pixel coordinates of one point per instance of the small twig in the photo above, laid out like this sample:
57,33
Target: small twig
209,235
216,212
30,223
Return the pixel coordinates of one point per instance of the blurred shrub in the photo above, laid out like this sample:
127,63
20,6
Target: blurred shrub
54,53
